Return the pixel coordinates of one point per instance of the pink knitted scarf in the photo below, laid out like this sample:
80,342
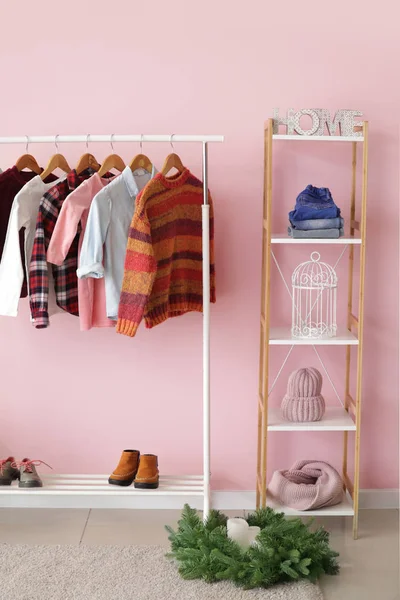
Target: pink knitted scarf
307,485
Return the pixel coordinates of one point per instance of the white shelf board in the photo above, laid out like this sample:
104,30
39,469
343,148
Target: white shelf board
336,418
281,336
97,485
94,491
344,509
284,238
318,138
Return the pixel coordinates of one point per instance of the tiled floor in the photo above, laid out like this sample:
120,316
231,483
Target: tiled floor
369,566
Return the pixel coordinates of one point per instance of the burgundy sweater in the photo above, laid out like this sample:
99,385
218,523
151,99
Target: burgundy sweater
11,182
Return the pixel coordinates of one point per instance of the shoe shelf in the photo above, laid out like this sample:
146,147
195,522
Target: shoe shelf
284,238
98,484
281,336
344,509
335,418
344,418
97,492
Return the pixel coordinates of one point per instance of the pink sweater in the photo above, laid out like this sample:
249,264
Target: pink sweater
91,292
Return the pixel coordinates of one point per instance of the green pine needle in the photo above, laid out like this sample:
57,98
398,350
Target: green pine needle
287,550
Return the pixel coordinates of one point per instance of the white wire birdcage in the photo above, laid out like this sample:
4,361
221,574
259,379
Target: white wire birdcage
314,286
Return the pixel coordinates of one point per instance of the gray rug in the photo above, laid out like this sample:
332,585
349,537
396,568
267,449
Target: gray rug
120,573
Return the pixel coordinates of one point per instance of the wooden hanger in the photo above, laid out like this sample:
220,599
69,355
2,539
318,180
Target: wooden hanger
57,161
141,161
113,161
172,161
87,160
27,161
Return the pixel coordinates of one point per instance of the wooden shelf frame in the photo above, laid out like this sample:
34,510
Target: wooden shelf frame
354,331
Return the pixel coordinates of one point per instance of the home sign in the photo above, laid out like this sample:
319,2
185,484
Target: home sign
321,122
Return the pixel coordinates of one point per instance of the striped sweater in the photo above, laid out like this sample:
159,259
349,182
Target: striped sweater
163,264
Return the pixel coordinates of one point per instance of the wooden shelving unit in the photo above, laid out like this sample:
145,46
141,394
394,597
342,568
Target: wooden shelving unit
348,417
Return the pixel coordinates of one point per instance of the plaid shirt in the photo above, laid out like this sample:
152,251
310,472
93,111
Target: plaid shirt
65,279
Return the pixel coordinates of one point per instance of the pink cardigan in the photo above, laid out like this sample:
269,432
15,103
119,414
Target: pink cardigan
91,292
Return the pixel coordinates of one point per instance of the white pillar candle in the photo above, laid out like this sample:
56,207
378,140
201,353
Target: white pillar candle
238,530
253,532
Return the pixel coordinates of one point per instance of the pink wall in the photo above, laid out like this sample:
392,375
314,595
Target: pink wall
76,399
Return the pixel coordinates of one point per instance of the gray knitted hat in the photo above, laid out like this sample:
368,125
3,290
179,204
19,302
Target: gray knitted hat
303,401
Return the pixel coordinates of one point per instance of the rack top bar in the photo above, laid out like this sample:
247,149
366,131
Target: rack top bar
61,139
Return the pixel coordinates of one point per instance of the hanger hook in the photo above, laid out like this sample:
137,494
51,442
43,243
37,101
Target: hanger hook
55,142
170,141
27,144
111,142
141,143
87,141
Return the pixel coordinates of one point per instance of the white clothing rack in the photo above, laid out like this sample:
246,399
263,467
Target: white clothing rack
189,485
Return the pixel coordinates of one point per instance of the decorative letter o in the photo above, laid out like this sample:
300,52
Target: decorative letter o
315,121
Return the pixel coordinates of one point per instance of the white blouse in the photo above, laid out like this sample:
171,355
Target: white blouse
23,213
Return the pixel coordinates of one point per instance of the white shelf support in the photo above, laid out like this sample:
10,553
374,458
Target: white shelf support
280,370
328,376
282,336
318,138
284,238
335,418
344,509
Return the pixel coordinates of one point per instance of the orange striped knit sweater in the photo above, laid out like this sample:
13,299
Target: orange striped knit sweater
163,264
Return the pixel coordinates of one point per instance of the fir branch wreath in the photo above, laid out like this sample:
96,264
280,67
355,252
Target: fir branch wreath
286,550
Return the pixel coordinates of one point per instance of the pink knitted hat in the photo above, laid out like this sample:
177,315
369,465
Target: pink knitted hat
307,485
303,401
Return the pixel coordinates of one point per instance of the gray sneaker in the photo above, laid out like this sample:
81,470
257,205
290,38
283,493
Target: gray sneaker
28,476
8,471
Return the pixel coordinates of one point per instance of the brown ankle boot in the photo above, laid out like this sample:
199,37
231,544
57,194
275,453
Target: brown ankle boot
127,468
147,475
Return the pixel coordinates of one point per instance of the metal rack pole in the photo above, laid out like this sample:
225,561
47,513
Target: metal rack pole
61,139
206,336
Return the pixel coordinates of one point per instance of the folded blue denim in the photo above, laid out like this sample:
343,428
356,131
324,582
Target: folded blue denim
316,233
314,203
307,224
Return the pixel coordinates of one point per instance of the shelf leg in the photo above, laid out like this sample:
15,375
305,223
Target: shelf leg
350,299
360,329
259,414
261,494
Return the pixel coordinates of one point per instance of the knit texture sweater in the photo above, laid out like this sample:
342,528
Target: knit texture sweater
163,264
